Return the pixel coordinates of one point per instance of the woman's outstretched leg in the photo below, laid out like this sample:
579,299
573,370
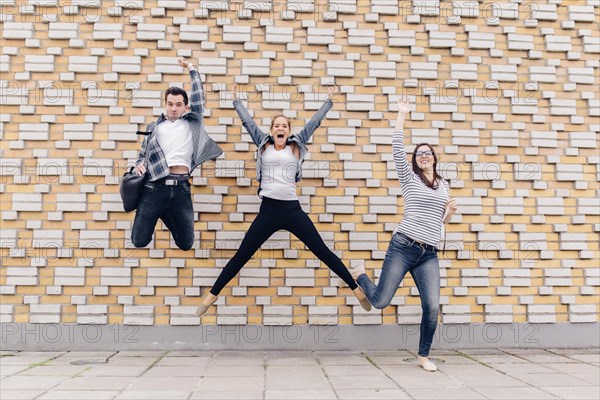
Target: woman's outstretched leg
261,229
395,266
303,228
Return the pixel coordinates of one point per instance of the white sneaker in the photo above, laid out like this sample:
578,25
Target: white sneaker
426,364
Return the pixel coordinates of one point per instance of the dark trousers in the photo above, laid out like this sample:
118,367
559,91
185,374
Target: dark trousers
273,216
173,205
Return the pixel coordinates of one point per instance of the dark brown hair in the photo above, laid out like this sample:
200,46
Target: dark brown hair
436,177
175,91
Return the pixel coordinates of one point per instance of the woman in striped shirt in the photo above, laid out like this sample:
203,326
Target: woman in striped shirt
413,247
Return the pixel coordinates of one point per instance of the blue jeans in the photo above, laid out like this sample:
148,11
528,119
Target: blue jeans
172,204
405,255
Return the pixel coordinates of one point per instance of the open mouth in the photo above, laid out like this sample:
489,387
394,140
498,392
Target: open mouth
280,136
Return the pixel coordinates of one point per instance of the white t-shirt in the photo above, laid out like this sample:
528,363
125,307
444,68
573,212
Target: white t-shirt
175,140
279,174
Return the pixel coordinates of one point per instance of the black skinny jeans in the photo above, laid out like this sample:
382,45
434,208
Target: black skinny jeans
273,216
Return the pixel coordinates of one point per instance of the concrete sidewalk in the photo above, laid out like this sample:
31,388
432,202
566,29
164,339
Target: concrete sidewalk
469,374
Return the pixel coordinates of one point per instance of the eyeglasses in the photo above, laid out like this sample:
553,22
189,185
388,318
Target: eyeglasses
427,153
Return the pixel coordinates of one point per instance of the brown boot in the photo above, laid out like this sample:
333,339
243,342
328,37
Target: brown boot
360,295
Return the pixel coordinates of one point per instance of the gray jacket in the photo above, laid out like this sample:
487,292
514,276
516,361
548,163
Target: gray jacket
261,139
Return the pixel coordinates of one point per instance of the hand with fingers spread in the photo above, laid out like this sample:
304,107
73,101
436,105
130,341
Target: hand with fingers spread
404,106
331,91
234,95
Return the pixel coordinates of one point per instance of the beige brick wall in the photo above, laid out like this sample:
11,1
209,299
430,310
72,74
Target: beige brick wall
507,92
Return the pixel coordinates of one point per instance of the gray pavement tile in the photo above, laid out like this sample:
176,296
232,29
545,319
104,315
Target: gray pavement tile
79,395
95,383
55,370
23,360
140,353
90,354
147,361
341,358
352,370
161,383
476,376
285,371
498,358
297,383
230,370
302,394
365,382
473,352
7,370
293,362
547,380
525,351
184,361
43,354
574,351
21,382
372,394
439,353
575,393
10,394
547,358
290,358
115,370
238,358
191,353
76,360
248,394
391,353
153,395
450,359
591,378
572,368
521,368
510,393
408,359
413,376
438,392
241,354
589,358
175,370
229,384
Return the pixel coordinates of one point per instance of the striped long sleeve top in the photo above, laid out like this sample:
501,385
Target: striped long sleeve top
423,207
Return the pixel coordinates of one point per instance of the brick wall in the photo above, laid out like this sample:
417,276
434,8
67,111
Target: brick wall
507,92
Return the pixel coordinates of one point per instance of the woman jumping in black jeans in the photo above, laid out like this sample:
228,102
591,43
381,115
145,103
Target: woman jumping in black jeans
278,168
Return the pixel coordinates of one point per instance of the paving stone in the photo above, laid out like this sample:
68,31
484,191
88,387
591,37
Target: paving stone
79,394
159,383
95,383
154,395
515,393
20,382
